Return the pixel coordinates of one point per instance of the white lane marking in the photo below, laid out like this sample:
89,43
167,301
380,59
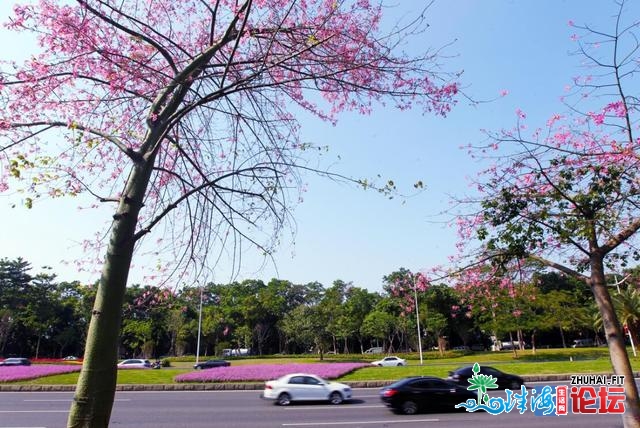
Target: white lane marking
388,421
347,407
209,391
43,400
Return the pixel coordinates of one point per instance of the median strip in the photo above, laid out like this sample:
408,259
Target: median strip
386,421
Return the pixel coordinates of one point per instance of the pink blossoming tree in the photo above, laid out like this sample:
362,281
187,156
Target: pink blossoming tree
182,114
502,299
404,286
567,194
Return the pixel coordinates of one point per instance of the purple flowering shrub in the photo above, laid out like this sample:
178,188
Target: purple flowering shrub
16,373
264,372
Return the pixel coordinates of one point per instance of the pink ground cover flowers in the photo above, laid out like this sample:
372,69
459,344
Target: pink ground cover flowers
264,372
16,373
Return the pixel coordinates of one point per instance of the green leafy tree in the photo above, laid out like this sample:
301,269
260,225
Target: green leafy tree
135,335
38,313
331,306
359,303
379,325
306,327
14,281
560,311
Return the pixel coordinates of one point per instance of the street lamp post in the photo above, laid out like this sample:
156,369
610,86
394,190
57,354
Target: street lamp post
415,297
199,327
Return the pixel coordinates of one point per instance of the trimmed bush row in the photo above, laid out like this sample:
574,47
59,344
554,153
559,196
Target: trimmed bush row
16,373
264,372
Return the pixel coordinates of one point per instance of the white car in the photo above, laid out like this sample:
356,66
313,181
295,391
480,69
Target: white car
305,387
134,363
389,362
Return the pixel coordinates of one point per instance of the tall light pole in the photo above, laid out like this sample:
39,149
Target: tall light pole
415,297
199,327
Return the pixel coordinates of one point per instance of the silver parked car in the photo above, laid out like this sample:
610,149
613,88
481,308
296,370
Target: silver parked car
16,362
390,362
134,363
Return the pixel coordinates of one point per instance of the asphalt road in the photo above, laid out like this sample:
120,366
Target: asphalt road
240,409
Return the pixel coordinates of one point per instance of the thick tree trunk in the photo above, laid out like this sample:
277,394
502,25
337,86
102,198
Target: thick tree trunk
615,340
513,346
95,390
533,341
442,345
38,345
520,337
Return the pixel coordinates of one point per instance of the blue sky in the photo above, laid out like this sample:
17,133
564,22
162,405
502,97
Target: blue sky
343,232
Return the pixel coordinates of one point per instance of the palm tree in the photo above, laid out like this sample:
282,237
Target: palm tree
627,304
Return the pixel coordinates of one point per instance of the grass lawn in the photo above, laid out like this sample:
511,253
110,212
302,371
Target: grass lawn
545,361
128,376
442,370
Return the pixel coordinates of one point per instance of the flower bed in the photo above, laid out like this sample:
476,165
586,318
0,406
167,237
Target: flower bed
16,373
264,372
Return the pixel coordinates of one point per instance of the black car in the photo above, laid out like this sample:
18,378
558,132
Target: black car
424,393
211,364
15,362
462,375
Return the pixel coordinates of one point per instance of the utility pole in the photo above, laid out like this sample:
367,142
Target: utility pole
199,327
415,297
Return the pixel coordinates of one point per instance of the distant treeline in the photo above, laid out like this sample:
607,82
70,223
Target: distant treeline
41,317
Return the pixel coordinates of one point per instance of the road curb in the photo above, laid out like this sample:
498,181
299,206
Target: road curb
247,386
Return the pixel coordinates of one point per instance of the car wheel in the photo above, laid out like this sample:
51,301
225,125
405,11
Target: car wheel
198,368
284,399
409,407
399,364
515,385
335,398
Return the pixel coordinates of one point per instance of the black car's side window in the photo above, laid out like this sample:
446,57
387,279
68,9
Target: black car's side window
490,371
438,384
418,384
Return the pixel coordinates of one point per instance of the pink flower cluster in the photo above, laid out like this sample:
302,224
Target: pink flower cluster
16,373
264,372
405,285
